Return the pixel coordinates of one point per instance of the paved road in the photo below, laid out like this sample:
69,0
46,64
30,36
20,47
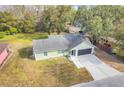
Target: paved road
96,67
115,81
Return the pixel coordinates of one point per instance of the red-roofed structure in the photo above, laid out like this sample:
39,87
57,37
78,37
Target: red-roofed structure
4,52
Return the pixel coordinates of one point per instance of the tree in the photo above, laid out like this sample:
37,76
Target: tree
108,27
55,19
110,16
82,18
95,26
26,21
119,36
2,34
7,21
64,16
13,30
27,24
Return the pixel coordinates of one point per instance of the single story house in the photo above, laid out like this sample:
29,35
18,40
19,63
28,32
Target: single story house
62,45
4,52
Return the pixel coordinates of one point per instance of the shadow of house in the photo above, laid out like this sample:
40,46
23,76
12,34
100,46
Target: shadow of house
26,52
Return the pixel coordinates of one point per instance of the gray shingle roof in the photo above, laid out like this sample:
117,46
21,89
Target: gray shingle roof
57,42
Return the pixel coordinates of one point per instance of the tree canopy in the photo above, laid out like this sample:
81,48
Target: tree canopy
99,21
96,20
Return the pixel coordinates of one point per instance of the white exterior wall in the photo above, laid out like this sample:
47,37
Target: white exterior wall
76,52
92,50
50,54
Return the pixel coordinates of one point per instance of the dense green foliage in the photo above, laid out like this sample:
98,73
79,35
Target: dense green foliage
2,34
55,19
119,34
95,21
99,20
36,19
7,23
11,25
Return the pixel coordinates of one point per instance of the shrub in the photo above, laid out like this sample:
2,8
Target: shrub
13,30
8,32
2,34
19,30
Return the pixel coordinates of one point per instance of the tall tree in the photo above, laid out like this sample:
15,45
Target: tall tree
7,21
96,28
82,17
55,18
108,27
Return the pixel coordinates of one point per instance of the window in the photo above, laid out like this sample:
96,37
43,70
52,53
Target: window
45,53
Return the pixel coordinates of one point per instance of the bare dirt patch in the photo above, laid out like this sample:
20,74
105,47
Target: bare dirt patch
110,60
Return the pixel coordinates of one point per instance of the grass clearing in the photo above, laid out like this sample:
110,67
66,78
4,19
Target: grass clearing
22,70
24,37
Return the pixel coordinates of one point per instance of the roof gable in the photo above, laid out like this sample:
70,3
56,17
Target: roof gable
84,45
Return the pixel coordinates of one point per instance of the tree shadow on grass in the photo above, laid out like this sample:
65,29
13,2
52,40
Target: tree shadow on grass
26,53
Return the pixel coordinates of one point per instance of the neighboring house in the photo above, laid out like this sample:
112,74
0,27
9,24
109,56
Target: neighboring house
4,52
62,45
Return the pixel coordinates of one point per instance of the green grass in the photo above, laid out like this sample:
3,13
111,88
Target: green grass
22,70
24,37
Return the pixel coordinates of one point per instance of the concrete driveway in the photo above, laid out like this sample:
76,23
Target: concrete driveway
96,67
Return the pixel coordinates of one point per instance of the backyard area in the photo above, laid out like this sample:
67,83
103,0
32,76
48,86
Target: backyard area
22,70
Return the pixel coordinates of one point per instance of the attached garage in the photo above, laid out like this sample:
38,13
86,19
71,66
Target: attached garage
84,51
60,45
84,48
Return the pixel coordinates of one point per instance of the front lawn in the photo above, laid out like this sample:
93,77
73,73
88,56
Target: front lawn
22,70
